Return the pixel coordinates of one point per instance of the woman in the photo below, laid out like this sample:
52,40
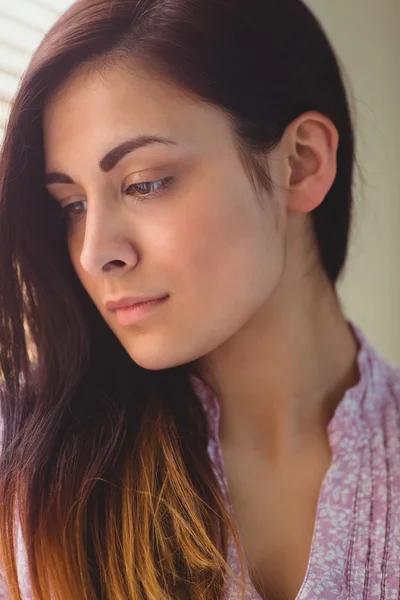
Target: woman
186,411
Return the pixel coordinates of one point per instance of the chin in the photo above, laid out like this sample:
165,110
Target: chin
157,358
155,361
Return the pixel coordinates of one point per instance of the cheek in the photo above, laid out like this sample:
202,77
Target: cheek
231,247
74,249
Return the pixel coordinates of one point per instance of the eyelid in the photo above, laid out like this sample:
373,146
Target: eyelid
60,197
146,175
71,199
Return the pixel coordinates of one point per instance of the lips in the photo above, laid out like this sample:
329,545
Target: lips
139,311
130,301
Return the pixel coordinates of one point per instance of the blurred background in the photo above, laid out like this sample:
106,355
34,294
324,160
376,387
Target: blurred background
365,36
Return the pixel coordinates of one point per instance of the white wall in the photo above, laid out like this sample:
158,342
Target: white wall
365,35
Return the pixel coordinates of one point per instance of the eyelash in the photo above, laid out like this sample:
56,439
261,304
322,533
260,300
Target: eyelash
165,183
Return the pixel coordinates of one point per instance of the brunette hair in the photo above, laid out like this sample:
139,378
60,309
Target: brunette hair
105,462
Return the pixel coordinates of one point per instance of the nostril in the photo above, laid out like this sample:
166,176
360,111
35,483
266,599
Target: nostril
113,264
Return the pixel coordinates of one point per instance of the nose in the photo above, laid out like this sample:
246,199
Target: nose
107,249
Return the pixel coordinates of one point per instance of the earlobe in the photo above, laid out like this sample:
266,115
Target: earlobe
312,142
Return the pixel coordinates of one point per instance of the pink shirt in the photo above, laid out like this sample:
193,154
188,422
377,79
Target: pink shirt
355,550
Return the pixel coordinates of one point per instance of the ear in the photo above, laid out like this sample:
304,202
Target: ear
310,145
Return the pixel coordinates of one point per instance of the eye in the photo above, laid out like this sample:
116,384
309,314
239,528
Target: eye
148,189
74,210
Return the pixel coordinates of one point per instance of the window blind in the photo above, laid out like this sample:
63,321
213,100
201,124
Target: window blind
23,24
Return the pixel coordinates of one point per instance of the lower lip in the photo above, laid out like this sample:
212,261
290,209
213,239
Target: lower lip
130,314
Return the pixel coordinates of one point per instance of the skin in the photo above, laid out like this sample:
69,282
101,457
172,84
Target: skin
248,301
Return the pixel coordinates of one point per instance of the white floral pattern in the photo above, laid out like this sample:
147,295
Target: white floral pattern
355,550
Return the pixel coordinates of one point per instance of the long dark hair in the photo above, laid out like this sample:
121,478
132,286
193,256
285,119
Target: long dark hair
107,462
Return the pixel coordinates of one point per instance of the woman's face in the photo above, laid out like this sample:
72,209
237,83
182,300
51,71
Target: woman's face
178,218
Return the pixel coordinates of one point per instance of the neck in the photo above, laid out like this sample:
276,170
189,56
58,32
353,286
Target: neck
280,378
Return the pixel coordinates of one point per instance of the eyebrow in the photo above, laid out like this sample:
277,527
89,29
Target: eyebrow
110,160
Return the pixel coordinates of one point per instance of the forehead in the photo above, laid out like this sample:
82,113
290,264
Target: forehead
95,108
